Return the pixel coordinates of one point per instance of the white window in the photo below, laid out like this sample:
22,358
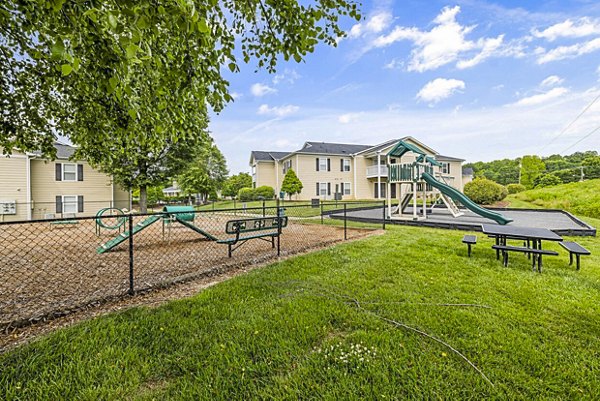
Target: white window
69,204
345,164
323,188
286,166
322,164
446,168
69,172
347,189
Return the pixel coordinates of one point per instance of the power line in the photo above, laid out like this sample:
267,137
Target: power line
583,138
571,123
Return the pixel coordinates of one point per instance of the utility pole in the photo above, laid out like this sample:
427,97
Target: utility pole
582,174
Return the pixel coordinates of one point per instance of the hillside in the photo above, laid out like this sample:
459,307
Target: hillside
580,198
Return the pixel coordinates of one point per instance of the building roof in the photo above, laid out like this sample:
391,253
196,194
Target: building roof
467,171
63,151
262,155
448,158
332,148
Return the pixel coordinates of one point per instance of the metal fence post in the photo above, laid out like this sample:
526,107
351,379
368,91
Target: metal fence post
131,285
321,204
384,202
278,228
345,224
263,208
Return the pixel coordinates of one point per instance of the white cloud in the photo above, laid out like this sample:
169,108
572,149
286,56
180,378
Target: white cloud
569,29
374,24
394,64
236,95
259,90
289,75
445,43
552,80
564,52
278,111
348,118
542,97
439,89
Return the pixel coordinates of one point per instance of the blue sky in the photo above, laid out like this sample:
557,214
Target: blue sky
472,79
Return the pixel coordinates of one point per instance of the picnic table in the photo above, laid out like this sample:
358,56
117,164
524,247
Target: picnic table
532,237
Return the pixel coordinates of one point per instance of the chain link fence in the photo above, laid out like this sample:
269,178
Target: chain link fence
51,267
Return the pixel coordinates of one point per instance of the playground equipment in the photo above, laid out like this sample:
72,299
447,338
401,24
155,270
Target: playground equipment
113,213
181,214
420,176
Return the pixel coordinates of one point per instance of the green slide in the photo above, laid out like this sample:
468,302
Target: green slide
468,203
124,235
197,229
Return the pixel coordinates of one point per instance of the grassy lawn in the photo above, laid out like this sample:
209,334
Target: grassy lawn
294,330
581,198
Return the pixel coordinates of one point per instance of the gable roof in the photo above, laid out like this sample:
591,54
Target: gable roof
448,158
63,151
262,155
332,148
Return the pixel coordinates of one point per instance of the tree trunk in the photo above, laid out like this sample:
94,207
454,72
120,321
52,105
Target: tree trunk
143,199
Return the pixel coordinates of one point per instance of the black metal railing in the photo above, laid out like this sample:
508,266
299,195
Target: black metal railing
51,267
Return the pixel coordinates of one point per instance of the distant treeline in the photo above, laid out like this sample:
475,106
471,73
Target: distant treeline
535,171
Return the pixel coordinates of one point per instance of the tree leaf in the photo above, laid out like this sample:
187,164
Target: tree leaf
66,69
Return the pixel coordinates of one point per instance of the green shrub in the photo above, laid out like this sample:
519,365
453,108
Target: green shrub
484,191
547,180
264,192
515,188
246,194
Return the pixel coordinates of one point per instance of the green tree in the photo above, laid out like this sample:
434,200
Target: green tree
233,184
531,167
547,180
119,67
206,174
291,185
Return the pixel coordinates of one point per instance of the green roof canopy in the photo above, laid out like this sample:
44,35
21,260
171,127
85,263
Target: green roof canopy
402,147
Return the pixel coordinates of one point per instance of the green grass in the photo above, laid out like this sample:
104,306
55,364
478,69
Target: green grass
581,198
269,334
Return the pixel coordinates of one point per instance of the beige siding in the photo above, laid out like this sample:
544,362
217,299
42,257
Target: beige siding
309,176
13,184
96,188
265,174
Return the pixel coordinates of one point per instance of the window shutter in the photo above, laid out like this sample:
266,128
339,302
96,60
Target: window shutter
318,185
328,188
342,165
342,188
80,204
448,168
317,159
376,192
80,172
328,164
58,204
58,173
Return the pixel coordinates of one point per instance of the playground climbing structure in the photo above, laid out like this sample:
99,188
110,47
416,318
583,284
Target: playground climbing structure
423,177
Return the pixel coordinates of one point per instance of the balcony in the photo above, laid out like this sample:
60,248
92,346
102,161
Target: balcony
372,171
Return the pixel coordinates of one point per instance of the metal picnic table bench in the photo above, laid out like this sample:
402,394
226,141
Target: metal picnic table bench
532,237
261,228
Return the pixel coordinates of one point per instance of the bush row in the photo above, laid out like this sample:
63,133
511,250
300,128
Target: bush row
484,191
251,194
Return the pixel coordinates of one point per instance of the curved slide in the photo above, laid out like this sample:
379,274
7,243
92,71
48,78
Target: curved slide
462,198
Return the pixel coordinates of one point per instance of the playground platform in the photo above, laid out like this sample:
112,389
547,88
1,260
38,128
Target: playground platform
559,221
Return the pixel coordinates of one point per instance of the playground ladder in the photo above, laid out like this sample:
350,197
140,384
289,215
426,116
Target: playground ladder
451,205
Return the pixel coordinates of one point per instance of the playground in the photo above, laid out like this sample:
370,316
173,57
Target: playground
48,270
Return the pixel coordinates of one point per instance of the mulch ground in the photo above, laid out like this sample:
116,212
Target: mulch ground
53,277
